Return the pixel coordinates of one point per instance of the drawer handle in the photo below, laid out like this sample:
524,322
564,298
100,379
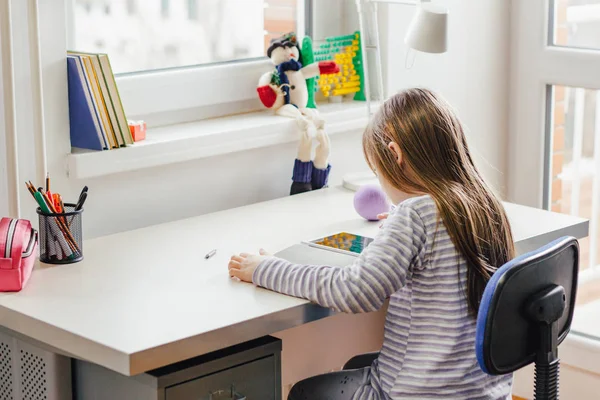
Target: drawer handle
226,394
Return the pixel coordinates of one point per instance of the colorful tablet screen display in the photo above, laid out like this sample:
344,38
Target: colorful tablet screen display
345,241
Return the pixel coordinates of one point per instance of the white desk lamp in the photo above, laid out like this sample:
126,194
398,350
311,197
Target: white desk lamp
428,32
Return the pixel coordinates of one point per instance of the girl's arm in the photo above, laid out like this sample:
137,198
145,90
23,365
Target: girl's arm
376,274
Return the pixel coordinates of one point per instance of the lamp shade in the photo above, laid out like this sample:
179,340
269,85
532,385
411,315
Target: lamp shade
428,31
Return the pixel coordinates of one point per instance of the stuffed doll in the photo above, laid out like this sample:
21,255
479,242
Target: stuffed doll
285,91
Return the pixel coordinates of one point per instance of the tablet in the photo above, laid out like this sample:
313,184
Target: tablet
314,254
343,241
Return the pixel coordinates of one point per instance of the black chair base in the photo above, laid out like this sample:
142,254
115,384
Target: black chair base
546,381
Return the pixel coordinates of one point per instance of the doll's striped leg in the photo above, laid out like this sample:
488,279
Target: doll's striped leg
303,166
321,168
322,150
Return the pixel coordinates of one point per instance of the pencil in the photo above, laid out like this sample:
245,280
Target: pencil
31,189
60,203
47,181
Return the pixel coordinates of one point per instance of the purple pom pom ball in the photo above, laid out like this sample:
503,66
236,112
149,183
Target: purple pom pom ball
369,201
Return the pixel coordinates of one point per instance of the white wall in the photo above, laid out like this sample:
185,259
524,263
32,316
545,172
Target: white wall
150,196
472,75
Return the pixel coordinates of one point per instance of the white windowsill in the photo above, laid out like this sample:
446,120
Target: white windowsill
580,351
213,137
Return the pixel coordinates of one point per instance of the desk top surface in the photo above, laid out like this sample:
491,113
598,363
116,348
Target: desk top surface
147,298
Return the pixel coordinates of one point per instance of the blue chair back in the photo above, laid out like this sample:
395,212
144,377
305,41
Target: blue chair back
526,312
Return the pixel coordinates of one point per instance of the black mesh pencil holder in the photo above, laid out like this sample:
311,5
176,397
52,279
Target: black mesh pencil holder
61,238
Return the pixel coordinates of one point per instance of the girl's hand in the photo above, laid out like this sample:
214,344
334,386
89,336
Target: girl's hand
381,217
244,265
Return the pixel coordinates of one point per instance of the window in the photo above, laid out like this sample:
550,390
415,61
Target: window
574,161
173,33
576,23
554,154
189,51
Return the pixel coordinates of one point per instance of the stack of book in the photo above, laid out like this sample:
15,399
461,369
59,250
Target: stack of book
96,114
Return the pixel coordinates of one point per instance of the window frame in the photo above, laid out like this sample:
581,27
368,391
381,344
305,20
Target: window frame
192,93
537,65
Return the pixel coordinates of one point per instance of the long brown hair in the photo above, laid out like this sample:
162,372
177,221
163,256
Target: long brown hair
436,161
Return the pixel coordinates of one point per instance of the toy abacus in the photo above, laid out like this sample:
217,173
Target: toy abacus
346,52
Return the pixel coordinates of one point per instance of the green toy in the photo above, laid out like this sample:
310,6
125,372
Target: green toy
308,58
359,69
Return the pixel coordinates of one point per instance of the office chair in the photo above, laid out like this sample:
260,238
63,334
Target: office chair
526,312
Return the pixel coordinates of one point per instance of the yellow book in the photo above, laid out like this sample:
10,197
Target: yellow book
115,98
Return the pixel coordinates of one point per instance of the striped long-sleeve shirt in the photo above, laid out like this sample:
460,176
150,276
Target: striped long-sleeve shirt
429,342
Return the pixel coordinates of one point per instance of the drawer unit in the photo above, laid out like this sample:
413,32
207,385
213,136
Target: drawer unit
248,371
254,380
28,372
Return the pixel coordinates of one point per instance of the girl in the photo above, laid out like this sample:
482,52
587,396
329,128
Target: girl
432,258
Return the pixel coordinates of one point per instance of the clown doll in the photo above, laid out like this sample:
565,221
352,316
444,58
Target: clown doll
285,91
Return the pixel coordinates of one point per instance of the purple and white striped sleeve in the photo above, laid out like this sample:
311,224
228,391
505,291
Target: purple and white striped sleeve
363,286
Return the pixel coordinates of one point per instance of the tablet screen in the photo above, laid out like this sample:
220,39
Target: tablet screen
345,241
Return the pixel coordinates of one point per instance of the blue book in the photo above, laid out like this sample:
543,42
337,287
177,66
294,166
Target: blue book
86,132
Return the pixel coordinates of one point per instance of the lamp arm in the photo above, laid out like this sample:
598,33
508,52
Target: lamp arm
365,66
360,7
375,19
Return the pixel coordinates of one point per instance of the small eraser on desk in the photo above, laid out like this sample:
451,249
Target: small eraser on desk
138,130
356,180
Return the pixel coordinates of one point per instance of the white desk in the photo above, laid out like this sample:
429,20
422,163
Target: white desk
147,298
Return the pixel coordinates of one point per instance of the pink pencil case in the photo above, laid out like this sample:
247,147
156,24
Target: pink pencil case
18,242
